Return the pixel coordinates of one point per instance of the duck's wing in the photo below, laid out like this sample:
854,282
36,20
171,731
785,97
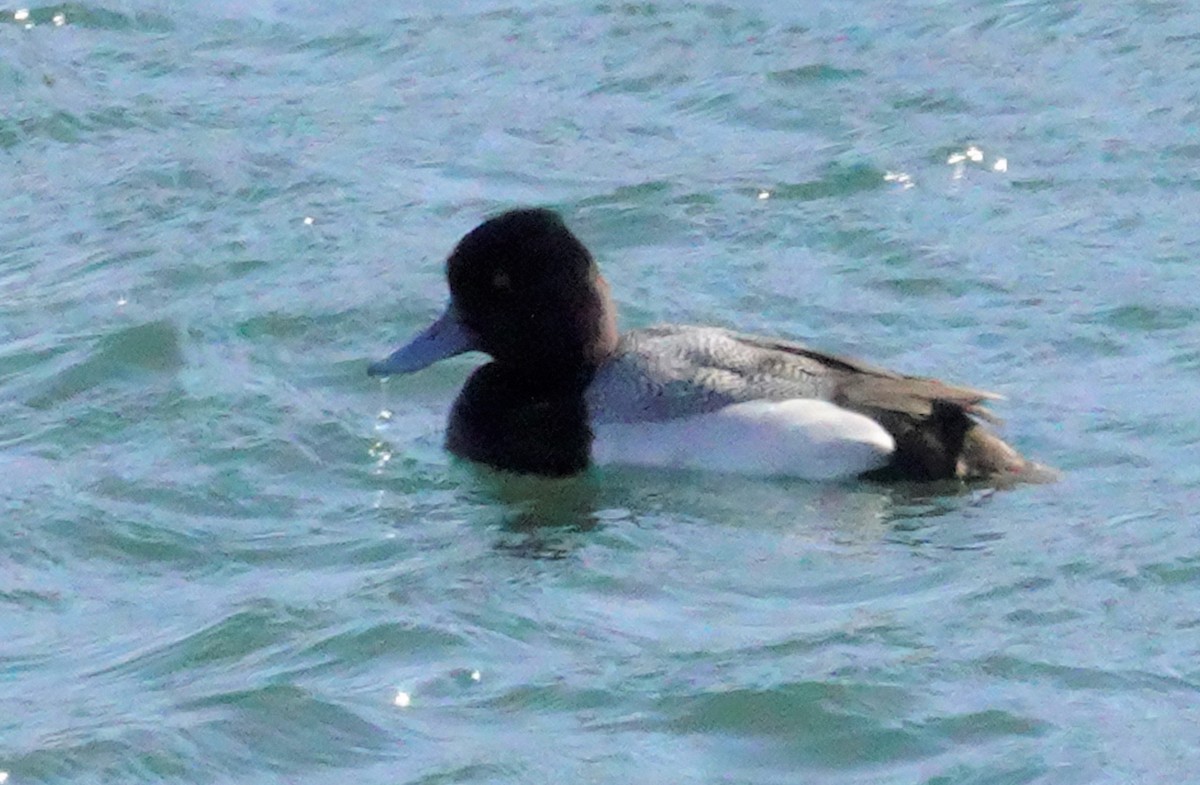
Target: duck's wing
864,386
670,371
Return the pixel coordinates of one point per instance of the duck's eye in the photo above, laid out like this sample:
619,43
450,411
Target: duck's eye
500,280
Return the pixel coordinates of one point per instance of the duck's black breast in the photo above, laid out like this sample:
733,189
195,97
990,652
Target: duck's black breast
510,421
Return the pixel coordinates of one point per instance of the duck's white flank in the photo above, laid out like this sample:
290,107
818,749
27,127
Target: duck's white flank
804,438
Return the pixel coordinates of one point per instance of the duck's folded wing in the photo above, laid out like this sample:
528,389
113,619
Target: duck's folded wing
863,386
911,395
672,371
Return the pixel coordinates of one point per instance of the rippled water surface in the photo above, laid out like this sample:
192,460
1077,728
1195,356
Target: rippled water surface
230,557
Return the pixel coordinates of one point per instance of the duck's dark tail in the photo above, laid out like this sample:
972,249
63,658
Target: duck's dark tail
986,456
950,443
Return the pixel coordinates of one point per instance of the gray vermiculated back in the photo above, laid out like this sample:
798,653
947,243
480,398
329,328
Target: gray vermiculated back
670,371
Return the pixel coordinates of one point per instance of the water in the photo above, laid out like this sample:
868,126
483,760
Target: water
230,557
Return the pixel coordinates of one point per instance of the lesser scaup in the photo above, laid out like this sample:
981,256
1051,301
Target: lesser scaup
564,390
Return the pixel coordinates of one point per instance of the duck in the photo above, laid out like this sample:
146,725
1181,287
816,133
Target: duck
565,391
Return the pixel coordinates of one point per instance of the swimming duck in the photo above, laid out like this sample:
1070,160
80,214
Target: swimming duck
565,390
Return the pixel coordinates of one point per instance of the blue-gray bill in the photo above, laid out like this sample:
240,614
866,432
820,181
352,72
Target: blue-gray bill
446,337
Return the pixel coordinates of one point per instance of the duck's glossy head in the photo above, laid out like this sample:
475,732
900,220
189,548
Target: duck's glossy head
524,290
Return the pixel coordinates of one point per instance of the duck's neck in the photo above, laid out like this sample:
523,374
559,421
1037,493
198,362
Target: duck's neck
604,344
544,381
517,419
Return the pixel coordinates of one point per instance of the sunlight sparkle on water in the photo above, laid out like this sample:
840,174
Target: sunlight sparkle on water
20,15
974,155
381,454
402,700
59,19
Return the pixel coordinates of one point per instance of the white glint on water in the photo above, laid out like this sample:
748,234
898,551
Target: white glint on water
973,155
402,700
381,453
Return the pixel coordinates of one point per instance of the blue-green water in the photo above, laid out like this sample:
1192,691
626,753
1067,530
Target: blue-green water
224,562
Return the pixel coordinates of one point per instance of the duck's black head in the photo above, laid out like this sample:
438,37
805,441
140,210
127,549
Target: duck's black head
524,290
